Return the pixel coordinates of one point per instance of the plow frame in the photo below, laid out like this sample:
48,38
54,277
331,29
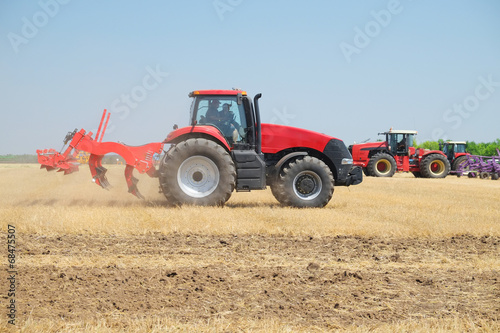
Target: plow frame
482,166
136,157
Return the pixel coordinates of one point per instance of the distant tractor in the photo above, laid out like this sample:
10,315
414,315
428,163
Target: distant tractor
396,153
82,157
455,151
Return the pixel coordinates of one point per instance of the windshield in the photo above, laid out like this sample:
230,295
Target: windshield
399,142
460,148
222,112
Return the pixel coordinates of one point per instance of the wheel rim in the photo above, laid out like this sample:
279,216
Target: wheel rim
383,167
307,185
437,167
198,176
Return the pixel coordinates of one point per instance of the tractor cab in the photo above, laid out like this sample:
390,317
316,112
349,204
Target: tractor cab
453,149
230,117
399,142
231,112
222,112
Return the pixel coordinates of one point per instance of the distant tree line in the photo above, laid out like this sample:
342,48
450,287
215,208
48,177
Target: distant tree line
27,158
480,148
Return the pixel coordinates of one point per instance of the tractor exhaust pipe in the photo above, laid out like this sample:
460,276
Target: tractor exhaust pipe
258,135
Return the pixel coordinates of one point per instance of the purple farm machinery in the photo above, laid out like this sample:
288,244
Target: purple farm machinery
482,167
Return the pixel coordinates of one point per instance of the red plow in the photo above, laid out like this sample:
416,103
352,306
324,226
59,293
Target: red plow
136,157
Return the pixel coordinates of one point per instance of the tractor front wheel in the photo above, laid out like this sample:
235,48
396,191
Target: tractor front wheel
304,182
197,172
381,165
434,166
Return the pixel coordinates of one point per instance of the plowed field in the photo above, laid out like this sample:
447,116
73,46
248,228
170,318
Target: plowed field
390,254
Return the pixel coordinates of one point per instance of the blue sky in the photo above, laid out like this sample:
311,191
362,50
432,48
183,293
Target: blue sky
349,69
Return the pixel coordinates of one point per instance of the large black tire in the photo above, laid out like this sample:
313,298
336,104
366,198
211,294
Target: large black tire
304,182
434,166
381,165
197,172
457,162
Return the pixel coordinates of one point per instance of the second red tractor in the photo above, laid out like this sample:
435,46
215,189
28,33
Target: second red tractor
396,153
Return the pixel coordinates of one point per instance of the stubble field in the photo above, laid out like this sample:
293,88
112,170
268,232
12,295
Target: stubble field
400,254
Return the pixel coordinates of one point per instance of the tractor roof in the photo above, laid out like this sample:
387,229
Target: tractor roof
457,142
217,92
391,131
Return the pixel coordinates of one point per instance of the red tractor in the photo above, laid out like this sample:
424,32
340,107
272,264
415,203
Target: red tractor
224,148
396,153
455,151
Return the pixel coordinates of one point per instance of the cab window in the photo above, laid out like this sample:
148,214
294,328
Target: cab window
460,148
224,113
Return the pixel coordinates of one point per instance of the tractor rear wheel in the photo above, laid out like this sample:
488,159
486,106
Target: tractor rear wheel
381,165
456,163
304,182
434,166
197,172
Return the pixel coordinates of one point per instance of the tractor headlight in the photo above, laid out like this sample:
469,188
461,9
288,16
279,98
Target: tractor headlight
346,161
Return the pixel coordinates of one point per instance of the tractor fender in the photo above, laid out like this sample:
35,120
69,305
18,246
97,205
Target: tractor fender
433,152
285,158
275,169
206,132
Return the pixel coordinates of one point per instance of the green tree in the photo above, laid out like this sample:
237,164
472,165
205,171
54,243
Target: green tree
432,145
481,148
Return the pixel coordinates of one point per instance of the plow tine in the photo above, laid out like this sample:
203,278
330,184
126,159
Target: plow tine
46,167
100,177
132,182
98,171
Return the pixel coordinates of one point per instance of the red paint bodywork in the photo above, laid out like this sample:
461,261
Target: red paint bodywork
276,138
217,92
360,152
178,135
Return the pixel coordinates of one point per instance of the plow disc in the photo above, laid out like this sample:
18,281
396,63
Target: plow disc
136,157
